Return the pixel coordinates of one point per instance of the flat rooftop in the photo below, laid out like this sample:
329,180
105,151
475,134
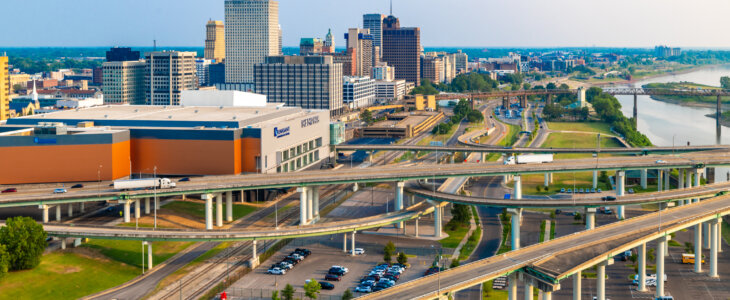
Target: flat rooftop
169,116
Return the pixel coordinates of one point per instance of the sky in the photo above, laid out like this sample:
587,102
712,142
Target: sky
452,23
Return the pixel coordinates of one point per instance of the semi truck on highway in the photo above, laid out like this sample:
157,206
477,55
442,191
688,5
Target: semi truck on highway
146,183
534,158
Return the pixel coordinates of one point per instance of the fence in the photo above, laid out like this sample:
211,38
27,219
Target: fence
265,294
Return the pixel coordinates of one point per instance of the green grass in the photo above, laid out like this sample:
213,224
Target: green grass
197,209
130,252
673,243
64,275
513,134
726,232
506,228
455,236
560,180
552,230
598,127
577,140
542,231
438,137
474,238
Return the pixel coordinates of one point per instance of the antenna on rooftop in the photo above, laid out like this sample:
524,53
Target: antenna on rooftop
391,7
154,45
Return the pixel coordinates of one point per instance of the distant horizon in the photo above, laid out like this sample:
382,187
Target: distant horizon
426,47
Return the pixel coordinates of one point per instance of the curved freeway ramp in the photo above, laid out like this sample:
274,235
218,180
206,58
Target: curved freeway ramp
559,258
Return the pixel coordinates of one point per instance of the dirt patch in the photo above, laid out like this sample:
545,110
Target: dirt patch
170,219
89,253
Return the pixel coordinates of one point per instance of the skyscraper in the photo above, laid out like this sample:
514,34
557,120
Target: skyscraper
374,22
402,49
252,33
167,74
362,42
122,54
4,88
124,82
215,41
329,43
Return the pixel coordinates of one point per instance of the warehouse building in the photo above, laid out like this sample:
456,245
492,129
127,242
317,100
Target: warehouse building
107,142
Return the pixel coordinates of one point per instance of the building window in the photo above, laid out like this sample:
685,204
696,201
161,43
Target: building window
316,155
319,142
311,157
299,163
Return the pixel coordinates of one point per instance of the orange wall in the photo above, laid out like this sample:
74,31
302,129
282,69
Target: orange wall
250,148
54,163
185,157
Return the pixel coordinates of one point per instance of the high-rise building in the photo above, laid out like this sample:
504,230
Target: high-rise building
202,67
215,41
308,46
362,42
347,58
358,92
387,91
121,54
402,49
383,72
462,62
252,33
431,68
309,82
329,43
374,22
124,82
4,88
216,74
167,74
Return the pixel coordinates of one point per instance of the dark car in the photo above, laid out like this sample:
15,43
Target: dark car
326,286
303,251
293,262
77,186
609,198
391,277
332,277
335,271
382,285
10,190
297,259
184,179
377,289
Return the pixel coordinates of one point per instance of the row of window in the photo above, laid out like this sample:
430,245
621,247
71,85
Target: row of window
300,149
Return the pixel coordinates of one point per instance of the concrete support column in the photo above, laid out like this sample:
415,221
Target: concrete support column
547,295
63,243
642,268
515,235
601,281
315,201
254,253
127,217
595,179
70,210
417,226
352,245
620,192
310,213
528,289
698,248
643,178
208,212
229,206
438,219
713,247
355,187
590,218
344,242
697,183
149,256
706,235
243,196
137,209
667,176
303,205
551,178
661,247
719,235
547,180
512,289
45,213
577,282
147,206
58,213
518,187
219,210
680,178
659,180
399,198
82,209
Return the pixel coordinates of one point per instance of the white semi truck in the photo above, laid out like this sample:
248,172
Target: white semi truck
145,183
534,158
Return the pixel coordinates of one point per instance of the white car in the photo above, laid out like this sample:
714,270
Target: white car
276,271
341,268
59,191
363,289
386,280
661,161
359,251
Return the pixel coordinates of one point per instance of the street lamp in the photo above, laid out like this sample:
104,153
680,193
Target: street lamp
98,174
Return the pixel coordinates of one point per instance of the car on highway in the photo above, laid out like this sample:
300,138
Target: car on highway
432,270
609,198
326,285
276,271
10,190
77,186
363,289
359,251
184,179
59,191
332,277
661,161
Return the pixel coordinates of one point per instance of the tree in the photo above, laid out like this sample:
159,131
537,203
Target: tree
525,86
347,295
389,250
4,261
25,241
402,258
725,82
288,292
551,86
475,116
454,263
367,117
426,88
275,295
18,87
461,213
311,289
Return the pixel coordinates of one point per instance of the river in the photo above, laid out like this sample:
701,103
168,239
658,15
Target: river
666,124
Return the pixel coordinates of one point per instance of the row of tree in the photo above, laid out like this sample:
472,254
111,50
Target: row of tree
22,242
462,110
608,110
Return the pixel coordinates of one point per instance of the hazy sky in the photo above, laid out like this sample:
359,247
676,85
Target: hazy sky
477,23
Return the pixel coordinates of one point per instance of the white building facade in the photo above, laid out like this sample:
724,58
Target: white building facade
358,92
252,33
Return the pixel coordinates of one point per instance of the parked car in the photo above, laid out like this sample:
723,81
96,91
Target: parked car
340,268
401,265
10,190
285,265
59,191
377,289
599,191
593,191
332,277
382,284
363,289
335,271
326,285
276,271
569,191
562,190
359,251
631,191
388,281
392,277
77,186
306,252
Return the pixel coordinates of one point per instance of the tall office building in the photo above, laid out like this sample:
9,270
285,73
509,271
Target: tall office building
402,49
309,82
329,42
358,92
122,54
202,68
215,41
374,22
252,33
123,82
309,46
167,74
362,42
4,88
383,72
432,68
462,62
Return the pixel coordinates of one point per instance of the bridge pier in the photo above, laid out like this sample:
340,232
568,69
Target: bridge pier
659,179
681,176
577,282
667,176
518,187
219,210
344,242
687,184
58,213
438,217
315,202
660,253
127,217
698,173
310,213
353,244
399,199
601,281
642,267
208,211
303,195
547,295
137,209
590,218
714,224
149,256
706,235
698,248
512,289
63,243
620,191
547,180
254,254
229,206
45,213
643,178
146,206
70,210
595,179
516,214
528,288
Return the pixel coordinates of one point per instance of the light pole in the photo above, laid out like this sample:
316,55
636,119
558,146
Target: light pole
276,214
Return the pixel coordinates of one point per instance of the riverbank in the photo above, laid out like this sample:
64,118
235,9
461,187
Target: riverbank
642,78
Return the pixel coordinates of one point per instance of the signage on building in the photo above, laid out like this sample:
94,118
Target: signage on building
44,141
310,121
281,132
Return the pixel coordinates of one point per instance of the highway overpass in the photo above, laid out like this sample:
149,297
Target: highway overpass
479,148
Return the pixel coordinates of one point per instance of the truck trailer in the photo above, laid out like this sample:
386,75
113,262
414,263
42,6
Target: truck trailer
145,183
534,158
